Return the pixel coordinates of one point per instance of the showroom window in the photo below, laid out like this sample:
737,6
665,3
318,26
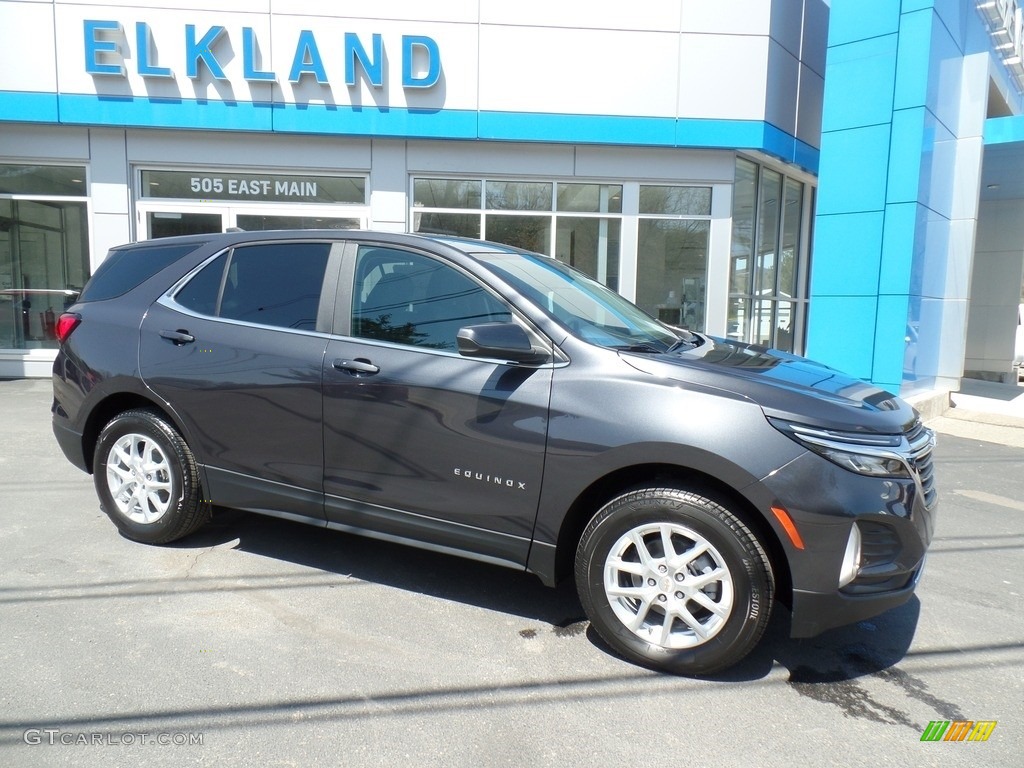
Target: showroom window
578,223
672,254
44,250
767,294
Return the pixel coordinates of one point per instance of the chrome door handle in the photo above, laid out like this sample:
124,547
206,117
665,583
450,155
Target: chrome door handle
358,367
179,336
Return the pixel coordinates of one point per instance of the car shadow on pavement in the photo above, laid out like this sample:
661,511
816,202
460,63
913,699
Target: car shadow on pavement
867,648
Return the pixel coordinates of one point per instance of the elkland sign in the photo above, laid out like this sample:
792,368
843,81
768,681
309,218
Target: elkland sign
105,56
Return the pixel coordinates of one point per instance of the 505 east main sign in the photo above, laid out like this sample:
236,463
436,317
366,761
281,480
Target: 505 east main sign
420,55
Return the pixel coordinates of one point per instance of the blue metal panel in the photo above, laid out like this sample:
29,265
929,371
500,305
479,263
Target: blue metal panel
28,107
855,271
859,82
840,333
859,20
80,109
854,165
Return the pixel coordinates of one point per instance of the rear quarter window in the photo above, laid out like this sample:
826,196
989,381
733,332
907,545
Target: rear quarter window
125,269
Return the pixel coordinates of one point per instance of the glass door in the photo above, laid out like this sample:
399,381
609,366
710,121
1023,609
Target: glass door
168,221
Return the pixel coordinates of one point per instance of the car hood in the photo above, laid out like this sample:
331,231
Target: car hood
785,386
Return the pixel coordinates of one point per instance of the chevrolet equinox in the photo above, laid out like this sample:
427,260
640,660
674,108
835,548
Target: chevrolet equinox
476,399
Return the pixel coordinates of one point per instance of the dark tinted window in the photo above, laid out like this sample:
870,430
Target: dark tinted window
202,291
127,268
411,299
275,284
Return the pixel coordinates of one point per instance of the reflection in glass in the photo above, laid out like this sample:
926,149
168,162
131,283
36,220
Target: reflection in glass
672,271
769,212
519,195
254,223
452,224
680,201
590,198
591,245
530,232
44,262
790,250
743,202
62,180
446,193
173,223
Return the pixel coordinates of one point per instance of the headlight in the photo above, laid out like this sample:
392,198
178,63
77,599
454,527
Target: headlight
865,454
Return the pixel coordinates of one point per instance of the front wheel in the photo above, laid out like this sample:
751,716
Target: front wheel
671,579
147,479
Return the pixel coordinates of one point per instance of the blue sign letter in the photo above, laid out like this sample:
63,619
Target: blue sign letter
307,59
194,51
249,52
94,47
410,45
143,47
354,51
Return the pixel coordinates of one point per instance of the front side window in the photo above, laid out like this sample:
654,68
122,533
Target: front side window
407,298
588,309
276,284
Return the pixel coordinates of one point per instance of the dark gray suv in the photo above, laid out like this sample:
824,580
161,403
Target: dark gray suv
475,399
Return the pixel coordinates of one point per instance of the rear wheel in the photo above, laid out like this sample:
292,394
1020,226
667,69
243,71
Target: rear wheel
147,479
672,579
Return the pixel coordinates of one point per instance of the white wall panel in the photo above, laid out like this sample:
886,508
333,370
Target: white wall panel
585,14
723,76
591,72
737,17
27,54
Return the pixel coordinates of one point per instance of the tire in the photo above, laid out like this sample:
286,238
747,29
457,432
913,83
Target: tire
147,479
695,610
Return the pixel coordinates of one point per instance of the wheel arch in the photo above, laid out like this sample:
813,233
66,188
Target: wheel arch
631,478
110,407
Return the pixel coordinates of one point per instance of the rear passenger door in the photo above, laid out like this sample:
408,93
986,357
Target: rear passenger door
238,352
419,441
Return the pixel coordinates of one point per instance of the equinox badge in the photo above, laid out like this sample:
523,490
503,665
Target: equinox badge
494,479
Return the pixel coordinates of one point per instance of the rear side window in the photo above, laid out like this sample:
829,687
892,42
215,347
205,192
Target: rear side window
127,268
274,284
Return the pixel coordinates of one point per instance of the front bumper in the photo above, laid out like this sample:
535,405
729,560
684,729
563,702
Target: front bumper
825,502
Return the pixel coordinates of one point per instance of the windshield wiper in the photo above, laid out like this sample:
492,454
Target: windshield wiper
691,340
645,348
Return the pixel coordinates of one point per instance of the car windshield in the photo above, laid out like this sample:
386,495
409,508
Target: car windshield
586,308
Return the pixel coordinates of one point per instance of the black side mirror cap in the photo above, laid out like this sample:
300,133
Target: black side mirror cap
502,341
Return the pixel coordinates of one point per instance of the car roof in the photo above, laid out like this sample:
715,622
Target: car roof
215,239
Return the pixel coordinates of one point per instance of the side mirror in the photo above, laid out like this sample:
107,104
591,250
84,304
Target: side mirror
504,341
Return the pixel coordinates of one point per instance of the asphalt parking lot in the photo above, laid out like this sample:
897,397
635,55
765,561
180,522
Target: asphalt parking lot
259,641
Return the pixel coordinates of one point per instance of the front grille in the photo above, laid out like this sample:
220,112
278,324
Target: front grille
921,441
